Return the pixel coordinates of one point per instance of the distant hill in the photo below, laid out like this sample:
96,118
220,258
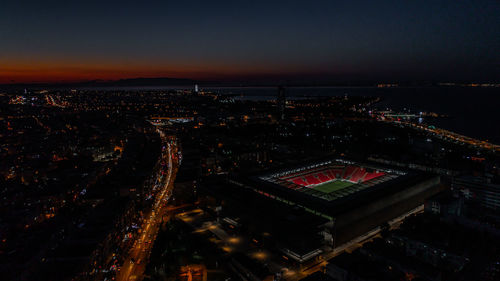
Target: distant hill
132,82
159,81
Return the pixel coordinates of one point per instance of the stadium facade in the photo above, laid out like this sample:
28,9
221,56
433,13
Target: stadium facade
352,197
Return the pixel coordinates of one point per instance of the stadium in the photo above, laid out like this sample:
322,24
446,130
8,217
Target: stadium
349,198
331,180
337,189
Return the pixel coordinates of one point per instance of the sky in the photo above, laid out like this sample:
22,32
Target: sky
328,41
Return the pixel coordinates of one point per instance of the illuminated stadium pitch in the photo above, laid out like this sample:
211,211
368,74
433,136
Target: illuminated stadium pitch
332,186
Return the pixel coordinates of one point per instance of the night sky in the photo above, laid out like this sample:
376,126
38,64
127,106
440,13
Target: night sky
49,41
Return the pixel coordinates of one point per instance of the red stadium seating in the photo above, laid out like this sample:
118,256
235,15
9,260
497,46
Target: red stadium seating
348,171
330,174
317,176
373,175
358,174
299,181
312,180
337,173
322,177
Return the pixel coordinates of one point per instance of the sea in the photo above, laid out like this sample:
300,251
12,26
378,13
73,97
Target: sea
470,111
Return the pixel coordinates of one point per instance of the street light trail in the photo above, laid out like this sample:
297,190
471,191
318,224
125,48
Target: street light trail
135,264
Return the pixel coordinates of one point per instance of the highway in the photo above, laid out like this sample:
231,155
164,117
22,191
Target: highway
137,259
449,136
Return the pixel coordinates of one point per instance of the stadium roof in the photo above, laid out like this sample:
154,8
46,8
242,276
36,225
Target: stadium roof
264,184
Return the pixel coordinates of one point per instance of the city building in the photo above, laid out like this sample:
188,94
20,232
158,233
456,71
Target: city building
478,189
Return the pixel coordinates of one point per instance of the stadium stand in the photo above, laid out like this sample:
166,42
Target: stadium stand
370,176
312,180
351,173
358,174
322,177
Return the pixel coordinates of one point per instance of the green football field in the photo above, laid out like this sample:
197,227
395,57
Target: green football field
332,186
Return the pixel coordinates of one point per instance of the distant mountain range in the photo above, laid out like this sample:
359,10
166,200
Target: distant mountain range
159,81
132,82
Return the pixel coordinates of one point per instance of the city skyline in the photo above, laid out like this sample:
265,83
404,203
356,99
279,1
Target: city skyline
249,140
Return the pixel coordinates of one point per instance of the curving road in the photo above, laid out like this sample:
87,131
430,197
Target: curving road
135,264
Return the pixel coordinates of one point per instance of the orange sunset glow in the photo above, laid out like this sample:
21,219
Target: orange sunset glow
76,72
59,71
